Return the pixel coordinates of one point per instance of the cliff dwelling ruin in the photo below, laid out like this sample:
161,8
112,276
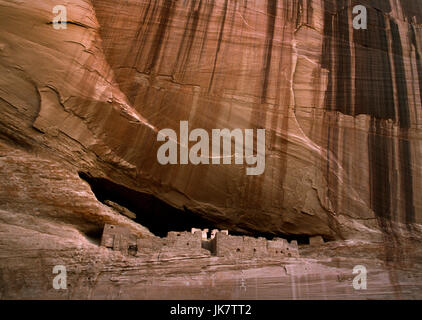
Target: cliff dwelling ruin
196,242
149,211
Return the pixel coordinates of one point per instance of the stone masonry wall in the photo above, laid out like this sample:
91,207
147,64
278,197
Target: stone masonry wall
184,243
248,247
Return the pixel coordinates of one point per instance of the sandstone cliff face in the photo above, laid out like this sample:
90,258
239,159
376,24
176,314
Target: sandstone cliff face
341,108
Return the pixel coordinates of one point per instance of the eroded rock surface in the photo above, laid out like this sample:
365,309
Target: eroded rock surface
341,108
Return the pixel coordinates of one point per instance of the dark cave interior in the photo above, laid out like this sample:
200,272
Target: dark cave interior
160,217
151,212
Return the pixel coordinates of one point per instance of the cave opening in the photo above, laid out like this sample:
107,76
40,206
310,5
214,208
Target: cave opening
160,217
151,212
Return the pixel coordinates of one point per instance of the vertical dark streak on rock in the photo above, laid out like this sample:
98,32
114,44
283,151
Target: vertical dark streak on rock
407,180
220,39
404,121
413,42
337,39
299,13
326,45
325,57
412,8
379,172
207,19
304,13
343,71
383,5
191,28
400,77
374,82
281,97
147,32
310,13
336,58
269,39
380,150
374,96
332,171
140,37
157,43
326,64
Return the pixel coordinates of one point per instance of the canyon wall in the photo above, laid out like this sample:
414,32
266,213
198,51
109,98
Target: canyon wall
341,108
